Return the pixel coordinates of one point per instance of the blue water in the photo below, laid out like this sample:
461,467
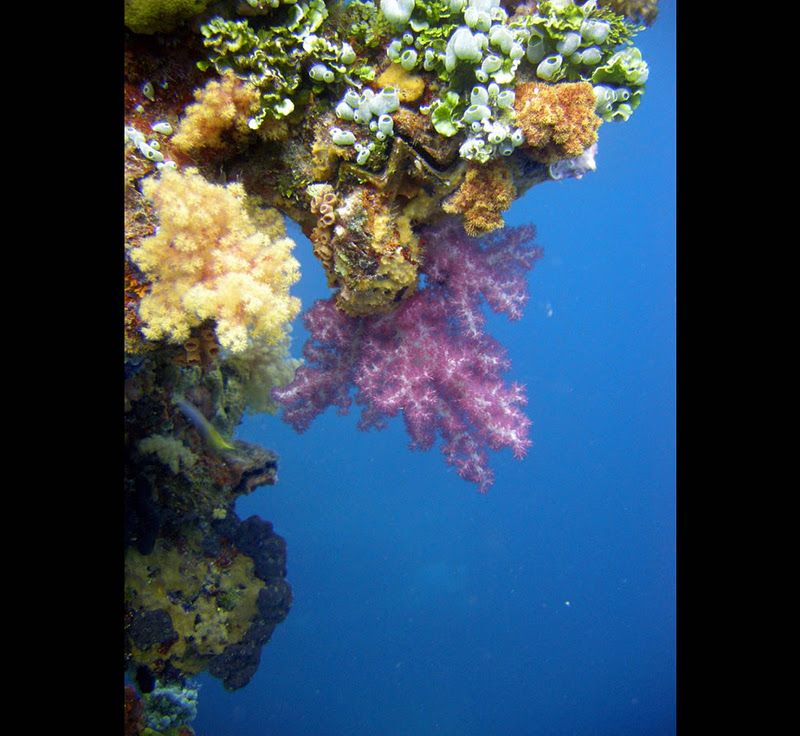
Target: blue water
547,607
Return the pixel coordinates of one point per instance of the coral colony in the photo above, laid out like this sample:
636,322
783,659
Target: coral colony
395,133
430,358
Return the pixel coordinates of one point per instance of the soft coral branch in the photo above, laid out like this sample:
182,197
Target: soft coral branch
430,358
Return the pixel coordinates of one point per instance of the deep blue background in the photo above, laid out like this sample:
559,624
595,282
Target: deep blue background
546,607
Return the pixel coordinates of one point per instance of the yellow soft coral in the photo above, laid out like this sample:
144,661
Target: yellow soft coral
558,120
486,191
217,256
219,115
261,368
169,450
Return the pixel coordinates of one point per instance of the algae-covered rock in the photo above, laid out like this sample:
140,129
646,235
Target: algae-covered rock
160,16
201,602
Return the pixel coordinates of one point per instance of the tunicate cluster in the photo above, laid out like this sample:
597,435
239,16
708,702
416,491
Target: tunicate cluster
397,12
151,149
569,58
363,108
476,42
370,109
492,48
364,151
620,84
485,41
490,120
148,149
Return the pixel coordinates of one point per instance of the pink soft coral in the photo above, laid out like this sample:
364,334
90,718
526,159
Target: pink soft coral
429,358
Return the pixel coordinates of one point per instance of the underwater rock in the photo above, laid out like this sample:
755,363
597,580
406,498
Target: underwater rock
142,517
207,601
274,600
255,466
149,628
239,662
256,538
145,679
236,666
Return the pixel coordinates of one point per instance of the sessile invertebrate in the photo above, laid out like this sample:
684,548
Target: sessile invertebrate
486,191
216,256
558,120
218,115
201,349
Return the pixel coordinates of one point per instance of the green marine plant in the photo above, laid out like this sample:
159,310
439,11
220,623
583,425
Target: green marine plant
364,25
282,55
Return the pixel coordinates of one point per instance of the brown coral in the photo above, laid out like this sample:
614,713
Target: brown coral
486,191
323,204
558,120
201,349
219,115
